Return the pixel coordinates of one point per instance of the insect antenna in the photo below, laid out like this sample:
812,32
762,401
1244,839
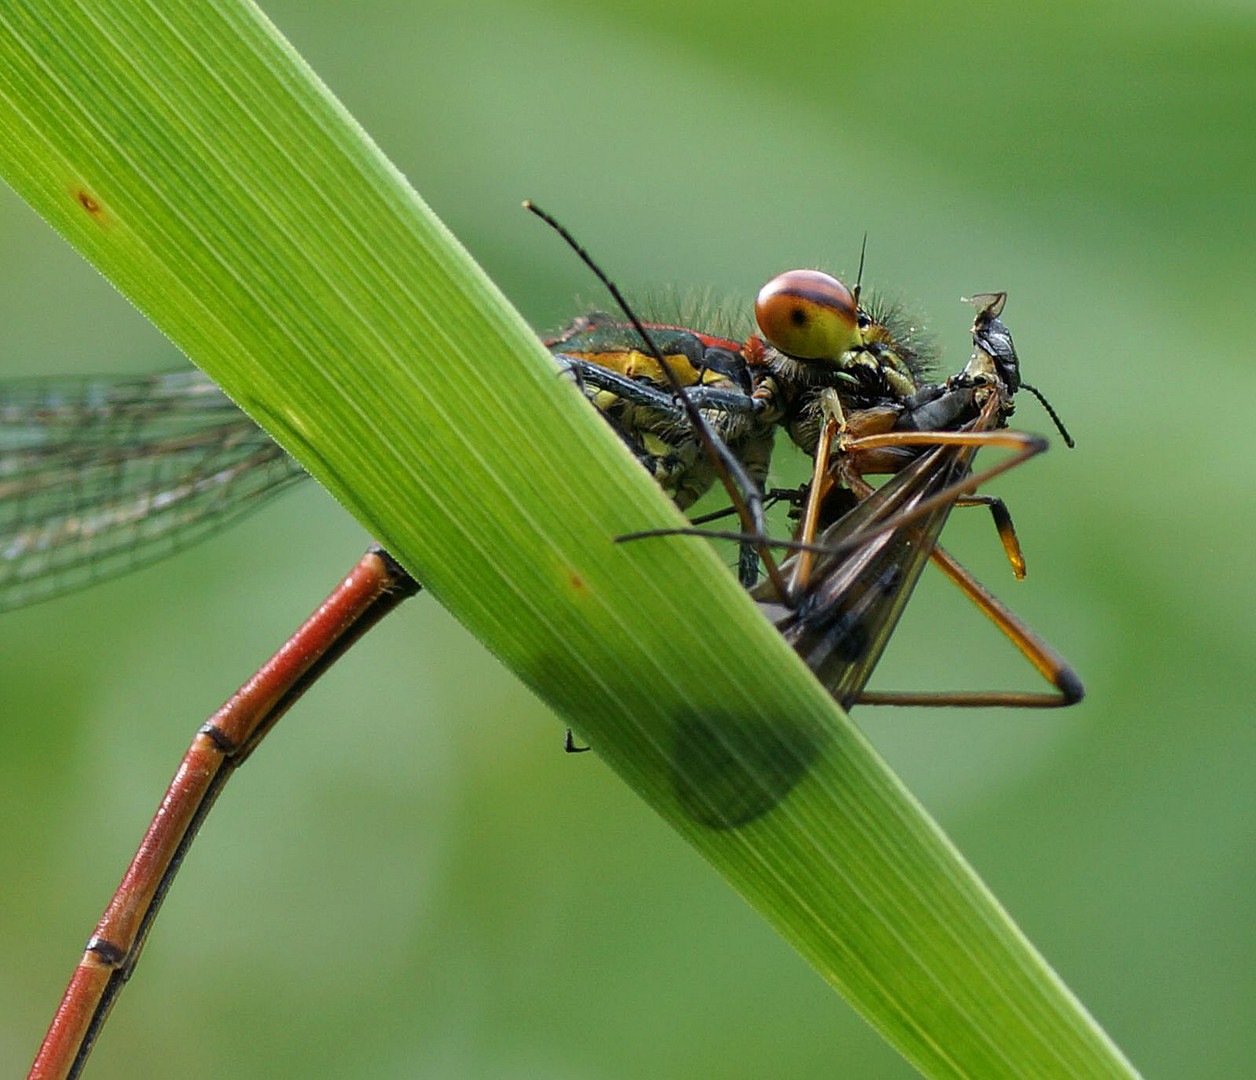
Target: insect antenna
863,250
770,499
742,491
1055,418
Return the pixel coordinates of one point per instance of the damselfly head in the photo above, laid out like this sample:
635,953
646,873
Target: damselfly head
822,335
808,315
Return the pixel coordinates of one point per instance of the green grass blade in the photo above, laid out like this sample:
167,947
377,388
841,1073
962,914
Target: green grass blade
187,151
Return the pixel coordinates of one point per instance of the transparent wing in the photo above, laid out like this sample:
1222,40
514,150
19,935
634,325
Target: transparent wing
101,476
843,625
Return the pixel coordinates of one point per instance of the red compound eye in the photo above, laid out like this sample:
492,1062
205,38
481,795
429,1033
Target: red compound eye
807,314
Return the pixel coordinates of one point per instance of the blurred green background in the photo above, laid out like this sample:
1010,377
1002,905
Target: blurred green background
411,879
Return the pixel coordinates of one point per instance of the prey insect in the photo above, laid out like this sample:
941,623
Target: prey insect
848,585
872,554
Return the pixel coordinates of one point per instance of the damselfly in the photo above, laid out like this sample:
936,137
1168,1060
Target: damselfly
101,476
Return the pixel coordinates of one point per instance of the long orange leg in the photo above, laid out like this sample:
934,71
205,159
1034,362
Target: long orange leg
1003,525
1024,445
811,514
1045,659
1050,664
373,588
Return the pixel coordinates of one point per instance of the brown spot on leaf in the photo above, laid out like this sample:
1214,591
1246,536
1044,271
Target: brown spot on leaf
91,204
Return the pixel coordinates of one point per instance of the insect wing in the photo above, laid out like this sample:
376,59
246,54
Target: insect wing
842,625
101,476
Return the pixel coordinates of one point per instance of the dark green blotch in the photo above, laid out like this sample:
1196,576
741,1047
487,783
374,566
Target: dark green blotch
729,770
